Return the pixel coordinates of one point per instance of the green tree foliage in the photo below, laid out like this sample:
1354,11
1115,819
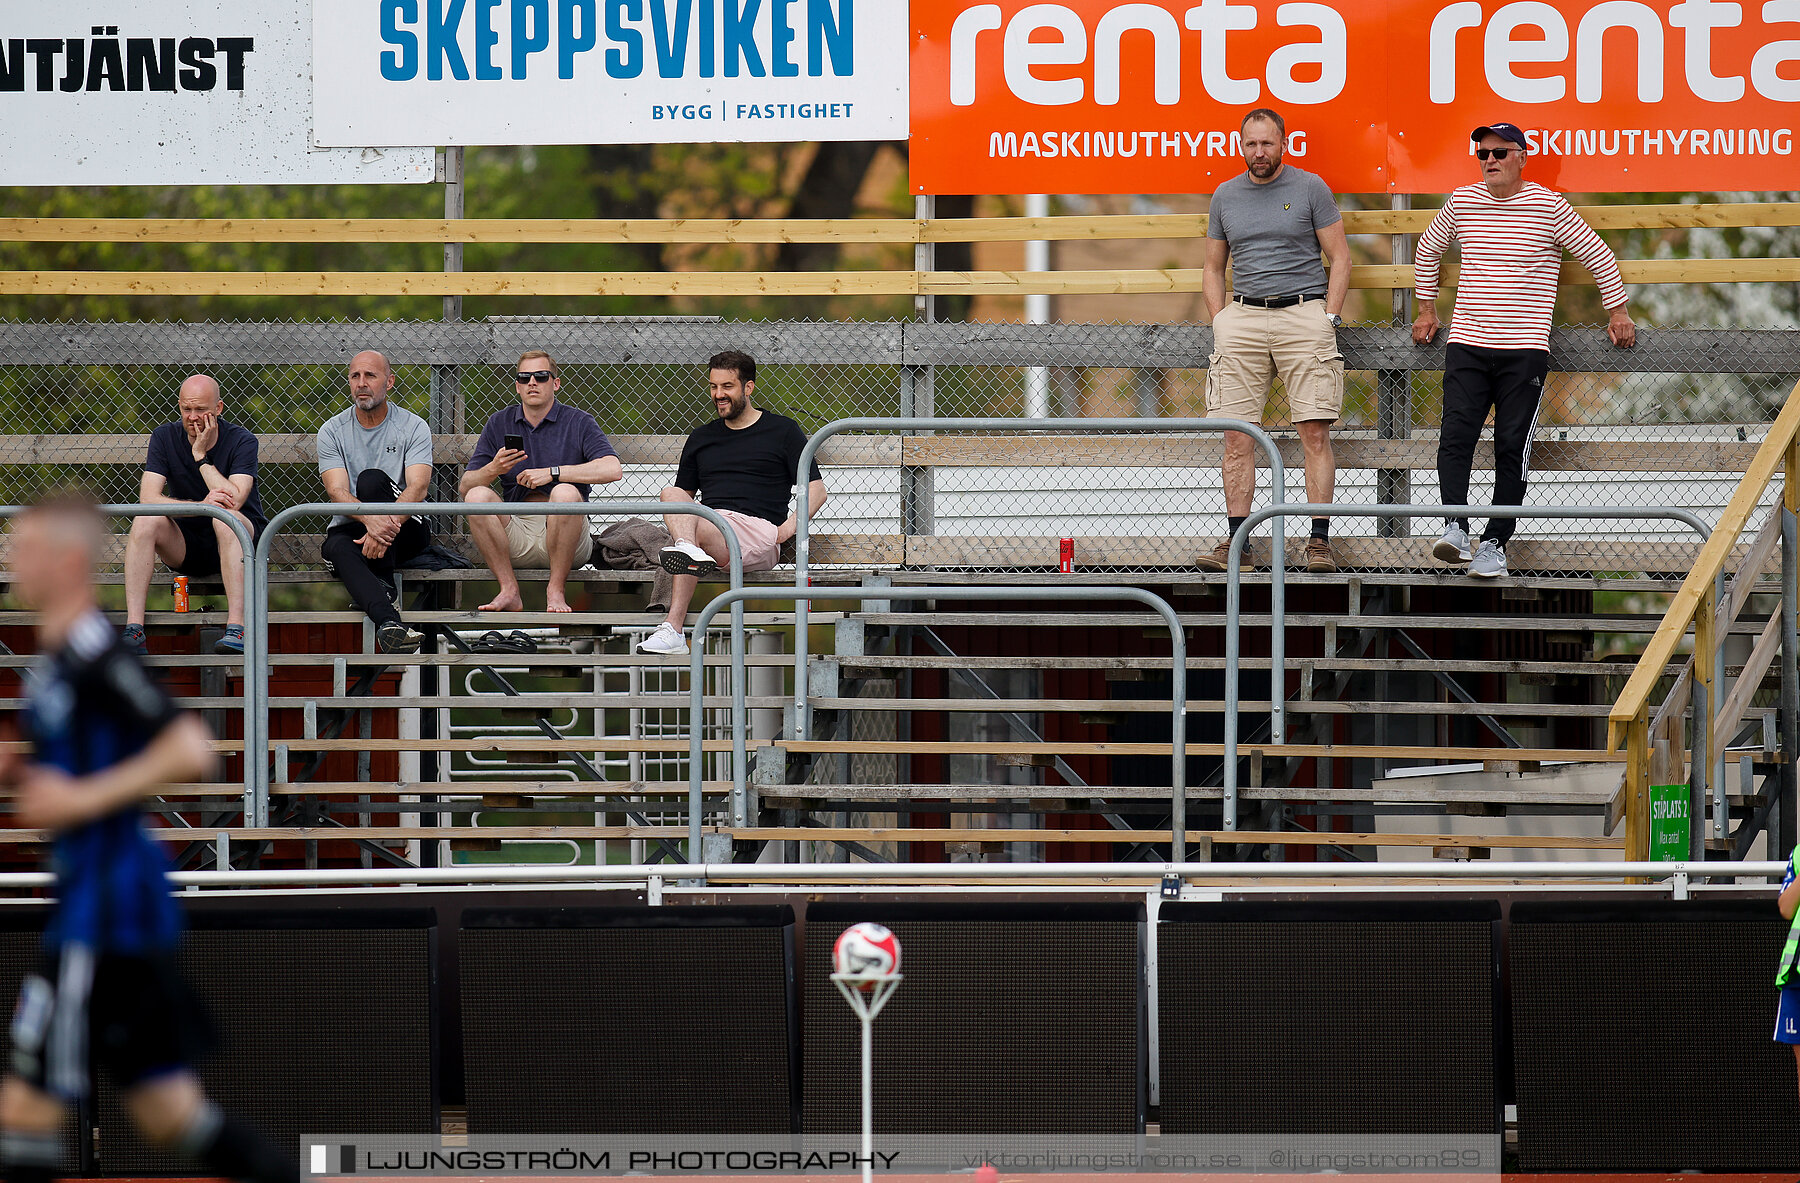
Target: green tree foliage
1702,398
676,181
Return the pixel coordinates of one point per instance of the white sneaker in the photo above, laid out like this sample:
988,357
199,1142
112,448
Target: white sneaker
686,558
1490,560
666,640
1452,545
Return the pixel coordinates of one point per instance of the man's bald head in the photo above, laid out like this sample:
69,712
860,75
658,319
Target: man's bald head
371,378
371,359
53,548
198,399
70,517
200,386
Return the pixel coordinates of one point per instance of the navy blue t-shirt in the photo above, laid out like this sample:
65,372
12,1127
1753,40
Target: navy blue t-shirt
91,706
748,470
566,437
233,454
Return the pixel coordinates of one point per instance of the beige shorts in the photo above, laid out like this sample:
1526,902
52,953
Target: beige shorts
528,541
756,539
1252,346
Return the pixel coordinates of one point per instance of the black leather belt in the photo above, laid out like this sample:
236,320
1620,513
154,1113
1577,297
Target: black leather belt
1276,301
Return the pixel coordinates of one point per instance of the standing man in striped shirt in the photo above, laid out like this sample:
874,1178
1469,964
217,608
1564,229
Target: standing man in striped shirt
1512,234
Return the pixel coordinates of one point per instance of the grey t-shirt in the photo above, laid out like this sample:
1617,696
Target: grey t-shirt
1272,232
398,441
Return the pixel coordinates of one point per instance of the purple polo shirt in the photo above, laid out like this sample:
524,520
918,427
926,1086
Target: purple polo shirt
565,438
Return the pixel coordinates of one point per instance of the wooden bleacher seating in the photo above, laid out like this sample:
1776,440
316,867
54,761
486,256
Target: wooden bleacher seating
848,557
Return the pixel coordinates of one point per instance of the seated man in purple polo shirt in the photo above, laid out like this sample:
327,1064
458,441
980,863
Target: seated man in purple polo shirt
563,452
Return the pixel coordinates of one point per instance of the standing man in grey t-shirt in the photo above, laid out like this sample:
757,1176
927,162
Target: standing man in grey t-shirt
1281,317
374,451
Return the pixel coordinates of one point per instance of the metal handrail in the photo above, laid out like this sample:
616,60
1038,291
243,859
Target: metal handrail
1177,680
256,674
803,535
252,583
884,874
1278,623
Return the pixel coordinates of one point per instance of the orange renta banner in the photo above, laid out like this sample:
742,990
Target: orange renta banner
1111,96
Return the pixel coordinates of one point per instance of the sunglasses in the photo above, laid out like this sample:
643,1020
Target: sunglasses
528,376
1494,153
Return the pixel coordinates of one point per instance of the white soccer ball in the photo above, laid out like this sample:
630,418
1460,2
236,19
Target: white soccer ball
866,950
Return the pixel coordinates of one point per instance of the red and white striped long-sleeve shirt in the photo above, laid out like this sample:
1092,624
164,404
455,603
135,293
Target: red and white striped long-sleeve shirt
1511,258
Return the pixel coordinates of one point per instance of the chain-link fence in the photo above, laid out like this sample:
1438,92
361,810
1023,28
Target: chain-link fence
1671,423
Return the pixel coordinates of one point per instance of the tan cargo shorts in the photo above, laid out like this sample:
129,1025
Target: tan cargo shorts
1251,346
527,535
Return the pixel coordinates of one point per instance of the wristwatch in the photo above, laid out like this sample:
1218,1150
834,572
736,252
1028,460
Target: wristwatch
556,472
1337,322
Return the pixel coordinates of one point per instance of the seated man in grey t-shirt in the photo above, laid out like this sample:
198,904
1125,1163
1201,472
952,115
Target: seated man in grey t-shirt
374,451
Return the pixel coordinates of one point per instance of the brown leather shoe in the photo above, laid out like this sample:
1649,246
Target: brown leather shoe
1219,556
1319,559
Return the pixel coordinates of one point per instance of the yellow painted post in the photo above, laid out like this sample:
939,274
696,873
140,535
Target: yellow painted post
1790,486
1705,704
1637,788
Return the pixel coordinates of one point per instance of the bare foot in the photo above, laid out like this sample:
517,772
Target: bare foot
506,601
554,602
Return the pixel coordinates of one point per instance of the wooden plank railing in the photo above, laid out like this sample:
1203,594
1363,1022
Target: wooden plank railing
732,284
890,231
902,231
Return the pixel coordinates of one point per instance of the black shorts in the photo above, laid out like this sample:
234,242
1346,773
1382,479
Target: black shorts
202,556
134,1016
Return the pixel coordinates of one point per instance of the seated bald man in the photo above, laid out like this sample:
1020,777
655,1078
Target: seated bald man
198,459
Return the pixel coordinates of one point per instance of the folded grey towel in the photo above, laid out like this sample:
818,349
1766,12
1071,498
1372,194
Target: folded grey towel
636,545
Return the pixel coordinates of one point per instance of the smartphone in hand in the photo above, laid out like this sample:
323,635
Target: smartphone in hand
516,442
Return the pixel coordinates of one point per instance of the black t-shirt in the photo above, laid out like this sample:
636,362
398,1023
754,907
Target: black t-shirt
233,454
747,470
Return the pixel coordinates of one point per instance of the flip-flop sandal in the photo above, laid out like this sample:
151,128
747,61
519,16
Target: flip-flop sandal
495,641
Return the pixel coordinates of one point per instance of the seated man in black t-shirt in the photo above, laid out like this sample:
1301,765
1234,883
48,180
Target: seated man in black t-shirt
201,458
743,465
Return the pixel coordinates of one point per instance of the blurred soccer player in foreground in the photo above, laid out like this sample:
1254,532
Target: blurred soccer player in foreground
102,737
1787,1014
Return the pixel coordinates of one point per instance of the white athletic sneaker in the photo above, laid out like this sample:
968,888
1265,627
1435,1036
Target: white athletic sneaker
1452,545
1490,560
666,641
686,558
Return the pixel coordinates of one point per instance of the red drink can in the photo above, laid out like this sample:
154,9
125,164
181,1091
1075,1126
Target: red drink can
1067,563
181,593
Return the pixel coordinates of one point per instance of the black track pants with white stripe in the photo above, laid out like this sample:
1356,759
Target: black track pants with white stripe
1510,382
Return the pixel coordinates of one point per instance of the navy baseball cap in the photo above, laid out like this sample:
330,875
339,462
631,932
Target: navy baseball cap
1505,131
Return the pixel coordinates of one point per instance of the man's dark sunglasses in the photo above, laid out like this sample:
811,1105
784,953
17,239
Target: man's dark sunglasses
1494,153
525,376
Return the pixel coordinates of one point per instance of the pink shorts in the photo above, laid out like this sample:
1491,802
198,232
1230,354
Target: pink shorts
756,538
